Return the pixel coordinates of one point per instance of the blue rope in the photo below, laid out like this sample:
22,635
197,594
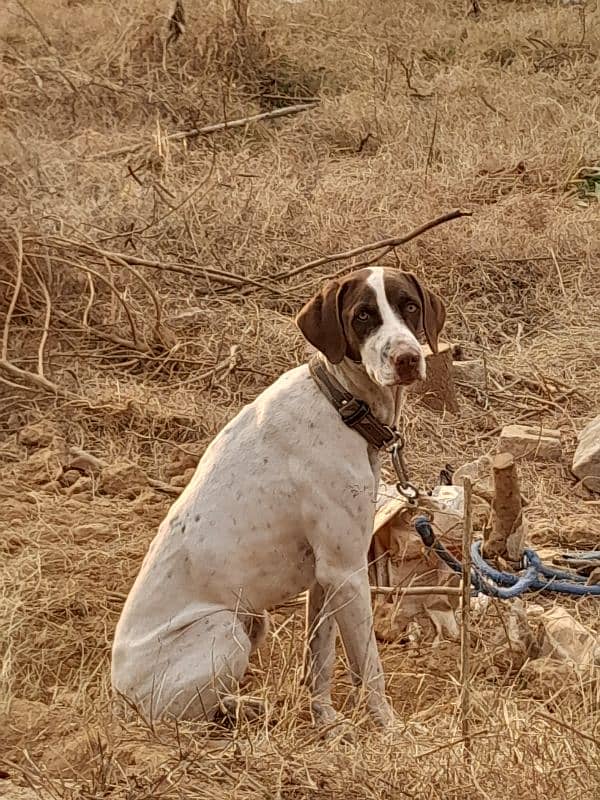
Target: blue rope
536,577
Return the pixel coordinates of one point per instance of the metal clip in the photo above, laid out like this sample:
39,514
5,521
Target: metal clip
407,489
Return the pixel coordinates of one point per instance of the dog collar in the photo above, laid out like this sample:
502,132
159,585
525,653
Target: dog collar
354,413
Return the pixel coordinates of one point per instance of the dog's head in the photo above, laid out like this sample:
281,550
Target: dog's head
375,317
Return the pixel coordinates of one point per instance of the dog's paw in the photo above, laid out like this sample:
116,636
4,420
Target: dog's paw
331,726
384,717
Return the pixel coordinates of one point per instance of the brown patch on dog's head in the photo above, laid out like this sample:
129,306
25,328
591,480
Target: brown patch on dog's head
433,311
324,320
346,312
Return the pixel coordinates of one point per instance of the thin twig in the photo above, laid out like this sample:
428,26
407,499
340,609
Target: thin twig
431,144
566,726
465,632
393,241
214,128
90,302
408,71
37,380
46,329
558,272
145,283
14,298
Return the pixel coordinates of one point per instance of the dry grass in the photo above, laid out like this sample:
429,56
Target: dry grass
422,108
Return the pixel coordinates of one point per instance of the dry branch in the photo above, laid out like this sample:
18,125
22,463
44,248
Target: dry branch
392,242
218,275
396,591
14,298
215,128
37,381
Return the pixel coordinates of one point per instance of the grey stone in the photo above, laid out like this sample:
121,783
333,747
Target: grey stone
586,462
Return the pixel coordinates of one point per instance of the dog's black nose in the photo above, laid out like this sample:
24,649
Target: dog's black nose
406,362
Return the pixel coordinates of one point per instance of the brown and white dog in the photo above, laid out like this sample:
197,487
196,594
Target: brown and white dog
282,501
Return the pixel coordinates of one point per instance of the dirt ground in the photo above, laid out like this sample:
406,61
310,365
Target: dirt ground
147,288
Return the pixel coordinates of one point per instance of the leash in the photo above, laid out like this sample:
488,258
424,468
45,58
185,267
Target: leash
534,577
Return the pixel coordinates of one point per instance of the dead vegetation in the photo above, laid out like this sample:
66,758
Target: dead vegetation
147,280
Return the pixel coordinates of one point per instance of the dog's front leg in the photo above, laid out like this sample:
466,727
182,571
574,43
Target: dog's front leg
348,597
321,630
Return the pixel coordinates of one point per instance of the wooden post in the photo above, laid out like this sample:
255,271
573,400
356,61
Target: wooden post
437,391
506,538
465,631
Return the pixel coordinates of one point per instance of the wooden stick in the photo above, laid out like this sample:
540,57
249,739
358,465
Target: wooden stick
415,591
214,128
505,539
394,241
465,632
409,591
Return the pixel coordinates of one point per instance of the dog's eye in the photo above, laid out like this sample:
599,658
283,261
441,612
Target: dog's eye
411,308
362,316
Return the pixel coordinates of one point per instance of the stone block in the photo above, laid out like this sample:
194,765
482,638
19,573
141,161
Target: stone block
586,462
531,441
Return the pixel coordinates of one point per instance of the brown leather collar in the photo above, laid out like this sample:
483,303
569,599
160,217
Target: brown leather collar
354,413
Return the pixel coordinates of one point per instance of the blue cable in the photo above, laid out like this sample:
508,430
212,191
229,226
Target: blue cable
537,577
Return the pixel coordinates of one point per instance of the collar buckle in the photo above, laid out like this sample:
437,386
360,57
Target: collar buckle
353,411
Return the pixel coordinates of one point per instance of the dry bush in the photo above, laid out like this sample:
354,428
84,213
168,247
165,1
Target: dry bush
145,296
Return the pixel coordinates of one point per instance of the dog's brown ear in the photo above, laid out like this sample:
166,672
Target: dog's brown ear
434,313
320,322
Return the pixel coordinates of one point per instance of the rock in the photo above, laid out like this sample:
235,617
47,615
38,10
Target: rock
480,473
42,467
84,462
566,639
23,715
69,477
586,462
544,677
471,373
38,434
83,484
122,479
531,441
182,463
400,560
183,480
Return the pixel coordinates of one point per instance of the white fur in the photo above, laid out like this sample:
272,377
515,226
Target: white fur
282,501
392,338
